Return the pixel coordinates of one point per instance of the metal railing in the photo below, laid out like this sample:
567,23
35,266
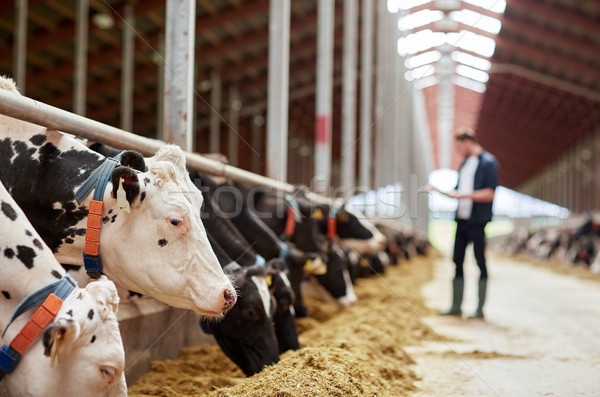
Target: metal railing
27,109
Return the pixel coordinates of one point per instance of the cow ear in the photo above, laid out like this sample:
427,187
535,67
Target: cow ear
133,159
60,334
342,214
131,183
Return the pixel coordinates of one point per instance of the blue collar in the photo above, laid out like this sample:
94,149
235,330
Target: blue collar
97,181
10,354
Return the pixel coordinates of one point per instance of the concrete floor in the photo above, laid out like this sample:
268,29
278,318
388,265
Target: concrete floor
540,337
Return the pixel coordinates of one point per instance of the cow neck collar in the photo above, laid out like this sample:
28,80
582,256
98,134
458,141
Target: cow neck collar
51,298
97,181
293,217
332,223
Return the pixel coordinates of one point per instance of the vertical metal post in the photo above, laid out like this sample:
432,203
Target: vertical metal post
366,95
81,47
215,113
278,89
179,72
160,100
445,108
127,69
348,160
325,20
234,124
381,91
20,55
257,122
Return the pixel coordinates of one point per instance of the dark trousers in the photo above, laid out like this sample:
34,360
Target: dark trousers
465,233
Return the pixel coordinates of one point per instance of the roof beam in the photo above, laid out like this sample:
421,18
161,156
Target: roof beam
550,11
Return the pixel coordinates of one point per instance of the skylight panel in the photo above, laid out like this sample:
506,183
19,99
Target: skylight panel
477,20
420,41
470,60
419,18
472,73
419,73
422,59
468,84
473,42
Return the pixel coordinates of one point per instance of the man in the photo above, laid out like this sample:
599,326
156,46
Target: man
477,181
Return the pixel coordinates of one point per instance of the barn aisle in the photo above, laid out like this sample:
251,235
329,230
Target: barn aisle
540,336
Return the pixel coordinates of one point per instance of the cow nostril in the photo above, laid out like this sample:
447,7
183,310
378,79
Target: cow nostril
229,297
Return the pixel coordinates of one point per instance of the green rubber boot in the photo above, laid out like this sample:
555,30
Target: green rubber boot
482,291
458,285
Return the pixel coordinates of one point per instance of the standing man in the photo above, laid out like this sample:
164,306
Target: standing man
477,181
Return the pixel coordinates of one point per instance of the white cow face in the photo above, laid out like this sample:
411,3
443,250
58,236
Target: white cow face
80,353
167,254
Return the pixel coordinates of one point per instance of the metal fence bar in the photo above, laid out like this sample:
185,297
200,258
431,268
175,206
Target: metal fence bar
32,111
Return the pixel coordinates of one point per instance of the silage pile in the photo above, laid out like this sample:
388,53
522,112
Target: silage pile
356,351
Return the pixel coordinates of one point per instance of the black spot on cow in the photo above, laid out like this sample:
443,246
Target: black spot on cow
26,255
142,196
146,181
70,312
28,233
91,314
162,242
6,294
46,176
110,211
37,140
38,244
113,218
80,296
9,211
9,253
93,339
56,274
69,240
105,219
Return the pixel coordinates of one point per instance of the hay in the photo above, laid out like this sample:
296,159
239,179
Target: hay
356,351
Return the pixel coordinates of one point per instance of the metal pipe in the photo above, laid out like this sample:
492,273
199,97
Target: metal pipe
278,89
179,72
81,47
20,60
366,95
27,109
324,98
127,69
348,157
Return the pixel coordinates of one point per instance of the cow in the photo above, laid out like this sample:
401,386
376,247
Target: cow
159,248
80,351
246,333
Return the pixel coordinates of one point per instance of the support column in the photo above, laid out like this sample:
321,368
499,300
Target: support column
81,47
366,94
325,20
348,160
127,69
215,113
20,48
179,72
233,140
258,121
278,89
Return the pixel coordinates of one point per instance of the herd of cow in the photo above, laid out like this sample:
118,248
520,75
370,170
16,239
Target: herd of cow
233,253
574,241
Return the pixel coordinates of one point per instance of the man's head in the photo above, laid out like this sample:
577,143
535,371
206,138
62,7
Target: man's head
466,142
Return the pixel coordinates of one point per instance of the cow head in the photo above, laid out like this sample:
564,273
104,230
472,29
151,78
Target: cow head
336,280
160,247
246,333
284,317
80,352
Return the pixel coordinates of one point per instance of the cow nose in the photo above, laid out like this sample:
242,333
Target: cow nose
230,298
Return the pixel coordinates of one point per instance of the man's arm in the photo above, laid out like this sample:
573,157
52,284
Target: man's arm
485,195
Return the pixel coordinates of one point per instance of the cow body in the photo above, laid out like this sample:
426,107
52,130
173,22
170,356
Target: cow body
80,352
159,249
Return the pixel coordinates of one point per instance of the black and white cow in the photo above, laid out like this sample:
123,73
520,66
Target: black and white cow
80,353
246,334
159,249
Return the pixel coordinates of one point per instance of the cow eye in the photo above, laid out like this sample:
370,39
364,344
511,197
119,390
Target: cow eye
175,221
